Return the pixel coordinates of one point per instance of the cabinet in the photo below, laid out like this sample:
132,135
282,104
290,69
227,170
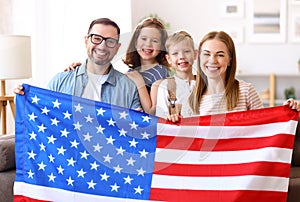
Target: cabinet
274,85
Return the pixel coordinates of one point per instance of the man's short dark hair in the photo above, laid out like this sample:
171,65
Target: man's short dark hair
104,21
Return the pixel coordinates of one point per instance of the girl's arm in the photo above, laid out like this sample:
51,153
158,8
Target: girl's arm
153,95
145,99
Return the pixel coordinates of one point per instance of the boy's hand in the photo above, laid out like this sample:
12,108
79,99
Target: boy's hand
174,118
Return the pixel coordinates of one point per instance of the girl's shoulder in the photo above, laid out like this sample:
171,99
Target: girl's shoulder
160,67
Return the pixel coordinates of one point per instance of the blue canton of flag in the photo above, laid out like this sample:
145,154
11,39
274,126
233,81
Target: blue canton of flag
86,146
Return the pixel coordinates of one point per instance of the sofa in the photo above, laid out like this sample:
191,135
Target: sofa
7,168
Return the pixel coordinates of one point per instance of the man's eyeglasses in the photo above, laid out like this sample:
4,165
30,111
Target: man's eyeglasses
97,39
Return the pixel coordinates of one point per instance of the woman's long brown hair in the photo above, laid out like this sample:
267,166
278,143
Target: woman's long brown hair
231,83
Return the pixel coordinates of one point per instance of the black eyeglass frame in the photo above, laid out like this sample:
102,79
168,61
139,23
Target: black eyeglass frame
106,39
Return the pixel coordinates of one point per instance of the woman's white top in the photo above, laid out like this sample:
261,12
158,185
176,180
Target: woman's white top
249,99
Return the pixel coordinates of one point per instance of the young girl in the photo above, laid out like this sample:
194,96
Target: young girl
180,55
145,57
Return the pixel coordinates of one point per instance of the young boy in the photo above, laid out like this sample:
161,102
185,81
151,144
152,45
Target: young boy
174,99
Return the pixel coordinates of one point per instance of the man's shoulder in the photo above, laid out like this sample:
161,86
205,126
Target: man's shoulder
122,78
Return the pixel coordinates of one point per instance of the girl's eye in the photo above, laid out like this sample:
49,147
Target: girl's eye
220,55
175,53
155,41
187,51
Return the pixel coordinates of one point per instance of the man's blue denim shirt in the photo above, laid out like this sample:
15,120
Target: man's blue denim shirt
118,89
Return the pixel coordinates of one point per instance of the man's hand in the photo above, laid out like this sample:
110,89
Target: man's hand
19,90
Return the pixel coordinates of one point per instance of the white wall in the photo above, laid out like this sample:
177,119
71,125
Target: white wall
201,16
57,29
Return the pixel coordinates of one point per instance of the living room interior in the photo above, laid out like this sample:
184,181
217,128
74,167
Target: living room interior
268,59
57,28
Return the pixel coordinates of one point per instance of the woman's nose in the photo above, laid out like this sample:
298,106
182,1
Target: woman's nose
213,58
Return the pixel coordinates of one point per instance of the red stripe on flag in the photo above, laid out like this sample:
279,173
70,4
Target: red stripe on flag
256,168
232,144
243,118
216,196
20,198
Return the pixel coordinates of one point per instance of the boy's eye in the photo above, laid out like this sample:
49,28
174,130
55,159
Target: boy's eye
220,55
174,53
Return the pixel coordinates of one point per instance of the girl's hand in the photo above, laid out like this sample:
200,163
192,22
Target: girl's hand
293,104
136,77
19,90
72,67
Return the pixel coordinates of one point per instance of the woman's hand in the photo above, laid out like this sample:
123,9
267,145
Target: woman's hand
72,67
293,104
19,90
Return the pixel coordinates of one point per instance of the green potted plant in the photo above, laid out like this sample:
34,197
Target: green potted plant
289,93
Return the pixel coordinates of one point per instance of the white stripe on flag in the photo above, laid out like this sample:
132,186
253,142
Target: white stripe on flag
221,183
269,154
53,194
225,132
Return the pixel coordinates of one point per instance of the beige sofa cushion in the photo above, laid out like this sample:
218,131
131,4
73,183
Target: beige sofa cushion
7,152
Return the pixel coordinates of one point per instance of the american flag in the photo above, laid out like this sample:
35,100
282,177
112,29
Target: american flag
73,149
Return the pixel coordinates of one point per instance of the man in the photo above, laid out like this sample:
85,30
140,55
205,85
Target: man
96,78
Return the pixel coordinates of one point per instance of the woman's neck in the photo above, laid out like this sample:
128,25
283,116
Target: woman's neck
215,86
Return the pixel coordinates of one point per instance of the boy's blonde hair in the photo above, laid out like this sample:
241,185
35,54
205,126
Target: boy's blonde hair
178,37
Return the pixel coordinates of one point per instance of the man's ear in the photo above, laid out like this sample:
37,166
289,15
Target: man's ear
86,40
